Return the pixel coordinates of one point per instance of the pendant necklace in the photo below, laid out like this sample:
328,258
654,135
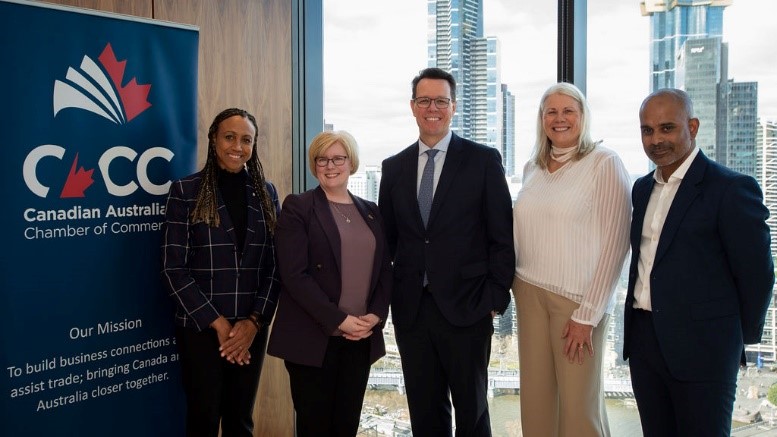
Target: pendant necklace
334,205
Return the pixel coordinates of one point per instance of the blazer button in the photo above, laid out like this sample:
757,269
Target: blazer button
426,241
318,266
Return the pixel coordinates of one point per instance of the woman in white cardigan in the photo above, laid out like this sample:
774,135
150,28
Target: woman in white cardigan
571,228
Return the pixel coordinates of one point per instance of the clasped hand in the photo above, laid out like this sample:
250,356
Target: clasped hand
357,328
234,341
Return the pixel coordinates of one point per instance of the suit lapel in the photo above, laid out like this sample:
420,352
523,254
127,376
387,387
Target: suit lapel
324,214
449,170
640,197
686,193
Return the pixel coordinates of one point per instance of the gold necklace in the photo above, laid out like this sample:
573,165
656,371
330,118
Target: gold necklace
334,205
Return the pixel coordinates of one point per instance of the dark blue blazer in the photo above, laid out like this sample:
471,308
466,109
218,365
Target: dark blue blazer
712,277
467,249
309,258
204,271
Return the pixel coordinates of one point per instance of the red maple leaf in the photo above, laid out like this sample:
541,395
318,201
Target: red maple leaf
133,97
77,181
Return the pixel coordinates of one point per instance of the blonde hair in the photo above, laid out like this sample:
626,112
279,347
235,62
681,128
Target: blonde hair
541,154
325,140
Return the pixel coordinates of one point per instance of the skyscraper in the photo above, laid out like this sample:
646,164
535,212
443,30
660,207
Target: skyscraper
454,27
687,52
671,24
701,71
508,131
766,139
767,142
456,44
742,126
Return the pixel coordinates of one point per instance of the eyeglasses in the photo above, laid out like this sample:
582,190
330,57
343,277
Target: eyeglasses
323,161
425,102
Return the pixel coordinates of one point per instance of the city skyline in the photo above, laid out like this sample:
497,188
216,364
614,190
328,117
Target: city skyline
361,34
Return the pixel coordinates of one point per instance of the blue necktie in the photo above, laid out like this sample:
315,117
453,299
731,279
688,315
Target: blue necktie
426,190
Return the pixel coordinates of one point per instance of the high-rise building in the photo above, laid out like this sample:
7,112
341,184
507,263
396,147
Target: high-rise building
741,127
508,131
365,183
456,44
454,28
727,110
671,24
701,71
767,178
767,142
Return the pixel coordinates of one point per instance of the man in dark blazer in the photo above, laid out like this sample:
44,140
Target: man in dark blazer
700,280
452,246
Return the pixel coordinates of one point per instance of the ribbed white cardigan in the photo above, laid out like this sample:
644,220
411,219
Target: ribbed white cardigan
571,230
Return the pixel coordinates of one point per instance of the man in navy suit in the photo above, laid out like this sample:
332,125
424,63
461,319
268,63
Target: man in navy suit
448,216
700,280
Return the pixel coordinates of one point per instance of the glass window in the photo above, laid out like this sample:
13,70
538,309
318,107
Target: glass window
715,52
376,51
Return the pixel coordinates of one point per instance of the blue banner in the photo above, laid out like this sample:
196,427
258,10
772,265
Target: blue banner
98,115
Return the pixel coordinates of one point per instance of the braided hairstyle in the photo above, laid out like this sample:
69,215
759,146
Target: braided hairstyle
206,204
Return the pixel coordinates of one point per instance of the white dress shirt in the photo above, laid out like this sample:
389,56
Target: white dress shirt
661,199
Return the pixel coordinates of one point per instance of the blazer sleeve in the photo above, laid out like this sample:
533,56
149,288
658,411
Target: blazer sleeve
176,247
294,265
498,213
269,279
747,243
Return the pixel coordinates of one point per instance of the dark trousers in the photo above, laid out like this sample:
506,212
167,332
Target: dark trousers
669,407
328,399
442,362
216,390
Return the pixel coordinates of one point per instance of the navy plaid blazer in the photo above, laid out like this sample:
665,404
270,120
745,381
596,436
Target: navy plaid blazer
203,269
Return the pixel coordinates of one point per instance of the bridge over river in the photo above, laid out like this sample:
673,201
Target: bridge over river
497,380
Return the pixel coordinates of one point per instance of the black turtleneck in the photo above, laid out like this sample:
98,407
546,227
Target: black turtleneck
233,192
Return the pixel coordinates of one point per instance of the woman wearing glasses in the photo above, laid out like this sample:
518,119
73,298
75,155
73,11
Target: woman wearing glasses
335,291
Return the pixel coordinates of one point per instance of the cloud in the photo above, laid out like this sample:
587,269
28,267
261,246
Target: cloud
373,49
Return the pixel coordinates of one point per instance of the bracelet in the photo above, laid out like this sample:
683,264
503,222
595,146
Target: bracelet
255,321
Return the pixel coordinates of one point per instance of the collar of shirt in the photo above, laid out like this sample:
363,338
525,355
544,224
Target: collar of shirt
441,145
678,174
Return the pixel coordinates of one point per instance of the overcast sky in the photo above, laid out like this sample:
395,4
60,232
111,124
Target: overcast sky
372,49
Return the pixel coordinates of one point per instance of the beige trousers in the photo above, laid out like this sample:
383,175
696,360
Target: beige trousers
558,398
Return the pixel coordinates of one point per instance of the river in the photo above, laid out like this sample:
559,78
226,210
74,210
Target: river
505,413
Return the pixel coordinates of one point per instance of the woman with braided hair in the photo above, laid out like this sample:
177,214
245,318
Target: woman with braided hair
219,267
